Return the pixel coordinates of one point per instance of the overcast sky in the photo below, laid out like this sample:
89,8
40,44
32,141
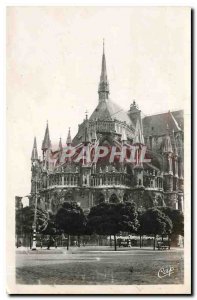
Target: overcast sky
54,63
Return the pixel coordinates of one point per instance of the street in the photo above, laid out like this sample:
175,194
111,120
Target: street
99,265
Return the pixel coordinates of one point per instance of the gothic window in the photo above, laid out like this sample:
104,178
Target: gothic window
113,199
99,198
127,197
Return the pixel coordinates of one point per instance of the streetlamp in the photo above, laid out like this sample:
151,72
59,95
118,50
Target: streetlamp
35,216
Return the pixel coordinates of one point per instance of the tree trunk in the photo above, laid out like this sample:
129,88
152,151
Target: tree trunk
162,237
154,242
168,242
115,246
140,241
30,241
110,242
68,241
78,240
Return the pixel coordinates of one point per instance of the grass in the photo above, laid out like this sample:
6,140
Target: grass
90,267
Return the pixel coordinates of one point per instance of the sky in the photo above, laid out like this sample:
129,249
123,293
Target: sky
54,64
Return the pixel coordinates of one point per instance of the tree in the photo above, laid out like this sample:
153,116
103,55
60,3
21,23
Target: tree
140,229
25,219
153,221
111,218
177,218
71,219
50,229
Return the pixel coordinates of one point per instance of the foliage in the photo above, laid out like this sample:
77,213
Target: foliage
111,218
71,219
177,218
154,221
50,229
25,219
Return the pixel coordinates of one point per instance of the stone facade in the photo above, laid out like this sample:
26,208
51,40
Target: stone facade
156,183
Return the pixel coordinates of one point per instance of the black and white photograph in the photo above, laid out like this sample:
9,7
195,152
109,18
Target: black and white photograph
98,150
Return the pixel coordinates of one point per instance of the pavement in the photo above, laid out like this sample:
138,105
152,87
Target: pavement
75,249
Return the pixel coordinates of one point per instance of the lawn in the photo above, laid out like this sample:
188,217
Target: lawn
92,266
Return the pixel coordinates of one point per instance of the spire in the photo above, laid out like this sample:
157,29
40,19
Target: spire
103,90
34,154
167,146
69,140
139,138
46,142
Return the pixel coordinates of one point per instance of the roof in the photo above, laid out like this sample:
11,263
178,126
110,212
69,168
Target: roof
178,115
156,124
109,110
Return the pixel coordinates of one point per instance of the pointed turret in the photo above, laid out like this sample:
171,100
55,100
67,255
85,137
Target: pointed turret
86,134
69,140
46,144
103,89
139,138
34,155
167,145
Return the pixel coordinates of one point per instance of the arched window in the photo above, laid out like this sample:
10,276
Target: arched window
99,198
127,197
113,199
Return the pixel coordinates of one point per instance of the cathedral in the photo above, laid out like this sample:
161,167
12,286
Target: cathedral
156,181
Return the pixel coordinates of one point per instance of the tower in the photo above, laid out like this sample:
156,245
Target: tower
175,162
138,141
167,153
86,167
134,112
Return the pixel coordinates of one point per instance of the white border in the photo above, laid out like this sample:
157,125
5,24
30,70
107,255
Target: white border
3,4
